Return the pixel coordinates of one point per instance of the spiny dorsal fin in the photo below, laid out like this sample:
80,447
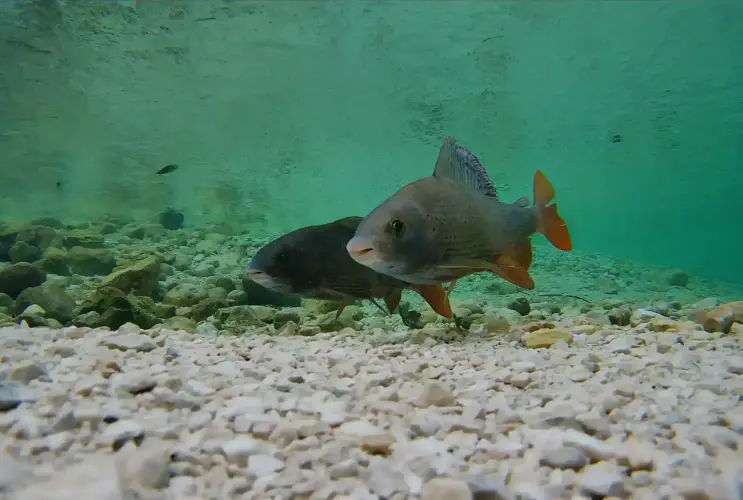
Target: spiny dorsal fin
458,164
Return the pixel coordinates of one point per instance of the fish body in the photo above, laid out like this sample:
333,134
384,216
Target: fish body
452,224
167,169
313,262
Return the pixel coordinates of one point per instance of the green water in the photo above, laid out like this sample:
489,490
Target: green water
282,114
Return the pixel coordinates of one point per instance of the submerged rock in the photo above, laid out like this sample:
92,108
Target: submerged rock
41,237
23,252
520,305
55,261
6,303
140,278
48,222
185,295
17,277
620,316
547,337
51,297
171,219
678,278
238,318
721,318
209,306
8,234
116,308
607,285
180,323
91,261
82,238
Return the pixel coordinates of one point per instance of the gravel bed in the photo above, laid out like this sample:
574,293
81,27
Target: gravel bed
132,414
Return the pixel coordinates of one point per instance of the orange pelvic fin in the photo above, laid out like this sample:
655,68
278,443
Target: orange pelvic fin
436,297
392,300
550,223
508,268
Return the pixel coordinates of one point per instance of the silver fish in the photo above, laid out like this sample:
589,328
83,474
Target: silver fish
441,228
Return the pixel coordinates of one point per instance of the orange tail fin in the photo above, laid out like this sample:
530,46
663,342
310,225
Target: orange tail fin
550,224
436,297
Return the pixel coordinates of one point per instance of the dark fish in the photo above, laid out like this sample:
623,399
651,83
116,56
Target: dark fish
167,169
450,225
313,262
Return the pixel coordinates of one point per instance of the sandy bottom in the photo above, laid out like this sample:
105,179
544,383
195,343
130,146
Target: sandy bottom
620,412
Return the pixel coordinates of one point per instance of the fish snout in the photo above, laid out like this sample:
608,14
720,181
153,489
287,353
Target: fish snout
254,272
361,249
260,277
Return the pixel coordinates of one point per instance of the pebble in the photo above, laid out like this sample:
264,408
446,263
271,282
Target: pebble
566,457
602,480
599,412
446,489
130,342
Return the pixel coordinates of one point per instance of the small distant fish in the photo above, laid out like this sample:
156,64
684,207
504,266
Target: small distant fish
167,169
441,228
312,262
616,138
58,184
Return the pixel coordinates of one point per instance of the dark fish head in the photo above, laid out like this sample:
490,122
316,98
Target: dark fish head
278,266
396,237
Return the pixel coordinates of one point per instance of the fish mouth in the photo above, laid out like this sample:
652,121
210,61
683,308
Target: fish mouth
361,250
266,280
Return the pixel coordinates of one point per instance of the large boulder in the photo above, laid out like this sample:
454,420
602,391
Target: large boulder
50,297
113,308
140,278
17,277
91,261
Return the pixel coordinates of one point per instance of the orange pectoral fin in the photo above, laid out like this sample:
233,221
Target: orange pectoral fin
436,297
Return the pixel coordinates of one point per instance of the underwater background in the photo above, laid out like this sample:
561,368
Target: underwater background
282,114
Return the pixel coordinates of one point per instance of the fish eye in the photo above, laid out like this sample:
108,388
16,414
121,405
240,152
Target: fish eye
281,256
397,226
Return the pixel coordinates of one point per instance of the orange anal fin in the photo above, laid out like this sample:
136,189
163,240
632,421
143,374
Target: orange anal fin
550,223
507,269
436,297
392,300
